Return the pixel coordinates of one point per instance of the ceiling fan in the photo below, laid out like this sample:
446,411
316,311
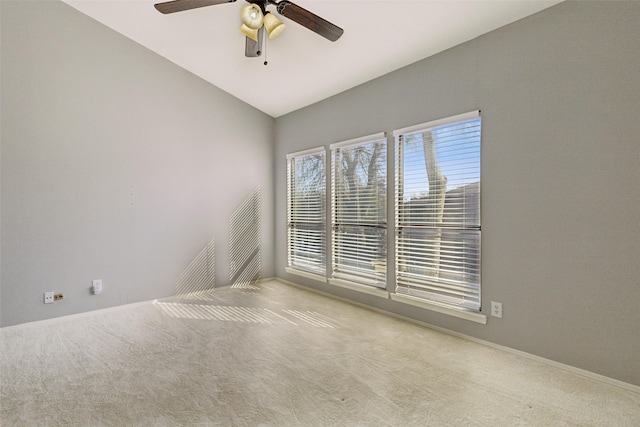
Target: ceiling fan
256,19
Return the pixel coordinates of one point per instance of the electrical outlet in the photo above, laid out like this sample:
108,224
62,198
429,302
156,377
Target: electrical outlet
496,309
97,286
48,297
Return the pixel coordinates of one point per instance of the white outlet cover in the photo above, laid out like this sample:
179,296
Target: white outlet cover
496,309
48,297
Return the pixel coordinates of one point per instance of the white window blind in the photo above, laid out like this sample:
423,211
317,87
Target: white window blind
438,211
306,211
359,204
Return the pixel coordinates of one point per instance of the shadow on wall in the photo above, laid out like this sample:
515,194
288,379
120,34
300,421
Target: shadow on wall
199,276
245,254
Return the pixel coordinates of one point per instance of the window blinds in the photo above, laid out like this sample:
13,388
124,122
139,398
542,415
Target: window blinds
306,195
359,202
438,211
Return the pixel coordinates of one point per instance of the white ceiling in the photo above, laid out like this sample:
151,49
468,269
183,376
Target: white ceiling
379,37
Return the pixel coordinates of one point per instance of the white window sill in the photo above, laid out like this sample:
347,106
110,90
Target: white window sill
306,274
371,290
440,308
404,299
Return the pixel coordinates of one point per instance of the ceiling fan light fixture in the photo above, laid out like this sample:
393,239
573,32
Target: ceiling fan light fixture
251,16
252,33
273,25
256,20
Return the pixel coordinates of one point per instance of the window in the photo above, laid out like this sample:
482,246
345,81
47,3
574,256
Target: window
358,210
306,211
438,211
436,251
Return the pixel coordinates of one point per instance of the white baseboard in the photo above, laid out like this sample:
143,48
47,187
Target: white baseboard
579,371
84,314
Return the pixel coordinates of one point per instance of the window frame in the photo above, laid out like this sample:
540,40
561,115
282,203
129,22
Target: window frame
295,264
344,246
440,293
393,290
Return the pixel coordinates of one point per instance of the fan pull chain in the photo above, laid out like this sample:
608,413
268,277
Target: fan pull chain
265,52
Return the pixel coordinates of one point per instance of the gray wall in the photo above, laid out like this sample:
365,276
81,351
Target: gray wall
560,95
116,164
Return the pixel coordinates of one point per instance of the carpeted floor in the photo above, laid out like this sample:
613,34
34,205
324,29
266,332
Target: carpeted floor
276,355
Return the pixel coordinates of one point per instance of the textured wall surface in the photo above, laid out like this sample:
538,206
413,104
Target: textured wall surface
116,164
559,93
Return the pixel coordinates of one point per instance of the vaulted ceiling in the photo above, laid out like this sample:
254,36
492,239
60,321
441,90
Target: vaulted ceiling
303,67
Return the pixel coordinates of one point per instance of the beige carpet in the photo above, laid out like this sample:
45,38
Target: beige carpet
276,355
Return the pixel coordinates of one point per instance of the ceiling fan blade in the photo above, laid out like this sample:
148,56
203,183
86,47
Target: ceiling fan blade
180,5
310,20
